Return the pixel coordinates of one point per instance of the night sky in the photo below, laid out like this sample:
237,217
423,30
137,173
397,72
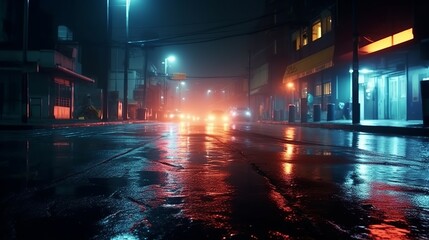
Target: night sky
187,18
175,26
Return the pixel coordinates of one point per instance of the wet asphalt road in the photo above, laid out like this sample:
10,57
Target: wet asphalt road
197,181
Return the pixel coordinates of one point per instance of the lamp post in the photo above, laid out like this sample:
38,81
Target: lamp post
126,62
166,60
24,81
107,62
355,74
181,86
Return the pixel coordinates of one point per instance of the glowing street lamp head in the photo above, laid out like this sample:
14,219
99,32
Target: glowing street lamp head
171,59
166,65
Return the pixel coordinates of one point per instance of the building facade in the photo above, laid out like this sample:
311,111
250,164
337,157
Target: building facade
317,61
40,76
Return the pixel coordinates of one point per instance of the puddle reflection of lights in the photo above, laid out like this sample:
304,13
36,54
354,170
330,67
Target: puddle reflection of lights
386,198
290,133
171,130
287,168
422,201
209,128
387,231
124,236
289,151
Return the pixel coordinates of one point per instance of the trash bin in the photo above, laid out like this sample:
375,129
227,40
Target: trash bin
291,113
331,112
316,112
424,89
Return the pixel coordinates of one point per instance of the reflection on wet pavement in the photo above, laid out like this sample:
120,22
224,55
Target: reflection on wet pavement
179,181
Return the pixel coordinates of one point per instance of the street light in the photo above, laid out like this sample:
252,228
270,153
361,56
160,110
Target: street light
25,98
181,85
166,60
169,59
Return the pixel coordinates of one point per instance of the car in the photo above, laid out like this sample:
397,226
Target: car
241,114
217,116
173,116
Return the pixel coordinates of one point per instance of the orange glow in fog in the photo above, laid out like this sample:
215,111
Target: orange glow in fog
388,42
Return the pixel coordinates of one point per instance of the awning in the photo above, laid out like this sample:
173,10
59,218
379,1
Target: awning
60,71
69,73
309,65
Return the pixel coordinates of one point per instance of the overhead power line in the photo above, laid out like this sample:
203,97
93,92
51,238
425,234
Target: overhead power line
180,39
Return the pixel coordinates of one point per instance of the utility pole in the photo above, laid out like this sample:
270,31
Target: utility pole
355,74
249,79
24,80
126,62
146,79
126,66
107,59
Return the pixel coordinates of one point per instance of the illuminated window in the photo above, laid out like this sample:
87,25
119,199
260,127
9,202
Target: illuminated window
318,90
316,30
64,33
327,88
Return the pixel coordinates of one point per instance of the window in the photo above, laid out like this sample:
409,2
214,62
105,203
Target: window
318,90
304,90
296,39
320,27
304,37
63,92
316,30
326,22
327,88
64,33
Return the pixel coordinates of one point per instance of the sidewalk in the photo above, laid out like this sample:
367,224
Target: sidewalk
410,128
39,124
396,127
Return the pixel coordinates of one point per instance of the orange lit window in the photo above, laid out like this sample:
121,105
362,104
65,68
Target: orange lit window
316,30
327,88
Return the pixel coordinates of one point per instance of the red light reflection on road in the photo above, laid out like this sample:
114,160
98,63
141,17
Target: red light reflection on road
384,198
200,179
